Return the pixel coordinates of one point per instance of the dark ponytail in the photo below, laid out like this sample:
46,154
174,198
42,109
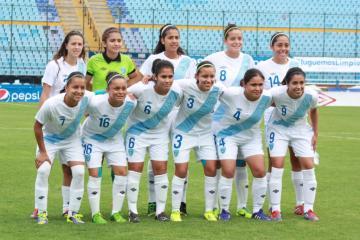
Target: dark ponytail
162,34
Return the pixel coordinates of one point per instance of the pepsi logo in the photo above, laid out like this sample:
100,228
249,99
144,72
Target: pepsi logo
4,95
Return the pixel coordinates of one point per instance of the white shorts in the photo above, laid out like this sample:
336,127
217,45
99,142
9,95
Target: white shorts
71,151
279,138
136,147
204,147
113,152
229,148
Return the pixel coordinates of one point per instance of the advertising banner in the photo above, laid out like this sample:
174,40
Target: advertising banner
20,93
323,64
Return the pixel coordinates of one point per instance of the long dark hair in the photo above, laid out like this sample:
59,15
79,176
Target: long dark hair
291,73
160,47
63,52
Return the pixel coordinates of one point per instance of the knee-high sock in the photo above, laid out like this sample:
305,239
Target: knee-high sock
259,187
151,184
42,186
310,186
242,186
118,193
76,188
65,193
185,187
217,199
225,189
133,181
161,189
275,188
177,190
94,190
298,182
210,193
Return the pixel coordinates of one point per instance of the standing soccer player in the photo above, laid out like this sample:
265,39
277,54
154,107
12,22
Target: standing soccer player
57,131
231,66
148,128
111,60
239,130
274,70
69,58
191,131
168,48
102,137
288,125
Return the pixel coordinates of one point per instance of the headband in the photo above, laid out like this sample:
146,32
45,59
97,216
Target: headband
277,35
165,28
204,65
113,77
76,74
230,29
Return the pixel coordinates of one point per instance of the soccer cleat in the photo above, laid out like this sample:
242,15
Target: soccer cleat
98,219
311,216
224,215
210,216
162,217
243,212
42,218
34,214
116,217
133,217
175,216
276,216
183,209
151,209
260,215
299,210
216,212
65,214
75,218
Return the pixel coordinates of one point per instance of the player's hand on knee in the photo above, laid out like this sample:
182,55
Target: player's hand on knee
41,158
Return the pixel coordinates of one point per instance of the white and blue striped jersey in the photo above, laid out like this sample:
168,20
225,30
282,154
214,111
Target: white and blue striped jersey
230,71
195,112
273,72
291,112
61,123
185,67
105,121
151,114
241,116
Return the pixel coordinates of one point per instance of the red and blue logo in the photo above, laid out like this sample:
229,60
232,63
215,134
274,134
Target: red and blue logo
4,95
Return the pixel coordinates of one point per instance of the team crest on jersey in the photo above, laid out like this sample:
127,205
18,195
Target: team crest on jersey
103,69
148,102
130,152
123,70
176,153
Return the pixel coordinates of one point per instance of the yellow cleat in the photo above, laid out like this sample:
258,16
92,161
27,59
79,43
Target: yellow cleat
175,216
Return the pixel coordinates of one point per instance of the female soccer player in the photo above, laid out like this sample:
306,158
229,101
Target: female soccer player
239,129
148,127
191,131
102,136
111,60
231,66
57,131
274,70
68,59
168,48
287,125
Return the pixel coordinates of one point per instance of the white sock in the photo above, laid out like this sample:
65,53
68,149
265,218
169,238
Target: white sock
242,186
151,184
42,186
65,192
310,186
185,187
297,180
133,181
275,188
268,175
118,193
210,192
161,189
225,189
94,189
217,199
177,189
259,186
76,188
